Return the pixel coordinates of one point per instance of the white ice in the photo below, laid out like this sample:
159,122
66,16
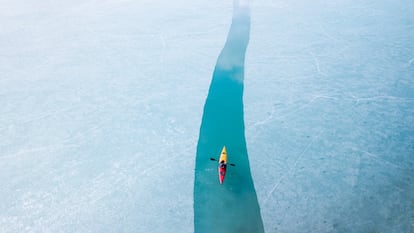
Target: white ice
101,103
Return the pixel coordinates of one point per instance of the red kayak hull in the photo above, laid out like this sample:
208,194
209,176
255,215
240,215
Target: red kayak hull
222,174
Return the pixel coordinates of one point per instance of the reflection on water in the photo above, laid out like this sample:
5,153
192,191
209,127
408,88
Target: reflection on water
233,206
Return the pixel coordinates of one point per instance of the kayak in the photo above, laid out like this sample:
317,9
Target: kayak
222,165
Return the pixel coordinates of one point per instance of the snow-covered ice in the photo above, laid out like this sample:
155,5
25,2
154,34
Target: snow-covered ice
101,104
329,108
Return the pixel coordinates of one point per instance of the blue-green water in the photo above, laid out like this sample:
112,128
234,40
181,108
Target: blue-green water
233,206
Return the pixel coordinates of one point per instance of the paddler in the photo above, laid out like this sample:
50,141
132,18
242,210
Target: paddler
222,166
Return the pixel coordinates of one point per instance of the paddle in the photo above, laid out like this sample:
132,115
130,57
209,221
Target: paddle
231,164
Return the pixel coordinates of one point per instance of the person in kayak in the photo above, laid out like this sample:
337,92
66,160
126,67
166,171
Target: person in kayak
222,166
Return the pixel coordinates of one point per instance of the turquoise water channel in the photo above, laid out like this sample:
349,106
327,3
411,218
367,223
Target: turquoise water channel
231,207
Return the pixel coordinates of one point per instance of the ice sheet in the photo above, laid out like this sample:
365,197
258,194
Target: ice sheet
101,103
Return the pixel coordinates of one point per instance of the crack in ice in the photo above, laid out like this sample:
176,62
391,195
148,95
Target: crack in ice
300,156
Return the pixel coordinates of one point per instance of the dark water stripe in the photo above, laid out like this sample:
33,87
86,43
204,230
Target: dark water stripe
231,207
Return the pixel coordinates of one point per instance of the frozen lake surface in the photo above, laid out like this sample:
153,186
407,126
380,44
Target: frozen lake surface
101,105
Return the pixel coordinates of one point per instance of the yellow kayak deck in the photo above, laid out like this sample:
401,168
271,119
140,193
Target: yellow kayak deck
223,156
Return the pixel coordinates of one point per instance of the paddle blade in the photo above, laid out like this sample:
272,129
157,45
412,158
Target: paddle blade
232,164
213,159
